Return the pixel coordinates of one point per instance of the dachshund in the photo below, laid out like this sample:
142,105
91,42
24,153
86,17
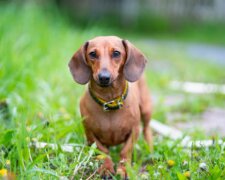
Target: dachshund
117,99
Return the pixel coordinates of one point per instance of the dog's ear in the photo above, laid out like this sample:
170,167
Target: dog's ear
135,62
78,66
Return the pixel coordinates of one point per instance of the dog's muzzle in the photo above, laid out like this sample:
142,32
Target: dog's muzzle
104,78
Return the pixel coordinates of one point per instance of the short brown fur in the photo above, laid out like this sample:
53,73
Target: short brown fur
109,128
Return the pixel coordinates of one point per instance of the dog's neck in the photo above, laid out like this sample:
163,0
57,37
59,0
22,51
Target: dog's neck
113,91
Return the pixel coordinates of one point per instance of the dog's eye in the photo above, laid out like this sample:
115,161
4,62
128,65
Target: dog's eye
93,55
115,54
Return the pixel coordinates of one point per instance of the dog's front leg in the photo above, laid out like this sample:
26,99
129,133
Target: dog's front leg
107,168
126,153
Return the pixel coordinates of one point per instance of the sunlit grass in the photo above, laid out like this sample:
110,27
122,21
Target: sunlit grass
42,99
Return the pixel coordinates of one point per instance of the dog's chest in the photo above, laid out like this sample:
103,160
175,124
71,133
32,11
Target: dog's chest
114,127
111,127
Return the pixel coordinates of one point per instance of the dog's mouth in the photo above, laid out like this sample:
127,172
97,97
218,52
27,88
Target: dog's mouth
104,84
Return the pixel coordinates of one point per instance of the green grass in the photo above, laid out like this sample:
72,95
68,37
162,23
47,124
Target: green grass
42,99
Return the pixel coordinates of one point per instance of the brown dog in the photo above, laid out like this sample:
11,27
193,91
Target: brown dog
112,108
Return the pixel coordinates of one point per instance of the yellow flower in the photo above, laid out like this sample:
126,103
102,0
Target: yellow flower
7,162
100,157
187,174
171,163
3,172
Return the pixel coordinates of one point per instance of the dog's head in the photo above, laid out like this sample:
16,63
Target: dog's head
104,58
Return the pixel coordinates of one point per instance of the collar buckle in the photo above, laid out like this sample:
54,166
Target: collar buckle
118,102
105,105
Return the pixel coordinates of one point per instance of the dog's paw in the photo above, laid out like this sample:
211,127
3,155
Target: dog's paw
106,169
121,171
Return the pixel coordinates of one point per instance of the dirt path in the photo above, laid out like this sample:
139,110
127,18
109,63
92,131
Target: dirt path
211,121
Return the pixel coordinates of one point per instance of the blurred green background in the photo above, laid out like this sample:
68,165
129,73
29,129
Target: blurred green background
183,40
189,20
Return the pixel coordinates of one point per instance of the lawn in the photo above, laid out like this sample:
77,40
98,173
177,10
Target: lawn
39,102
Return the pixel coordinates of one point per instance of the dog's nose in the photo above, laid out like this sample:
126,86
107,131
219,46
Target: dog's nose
104,77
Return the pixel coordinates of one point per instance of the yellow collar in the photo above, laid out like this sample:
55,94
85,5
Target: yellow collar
113,104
